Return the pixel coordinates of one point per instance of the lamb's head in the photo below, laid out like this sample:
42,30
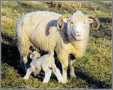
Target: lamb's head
78,25
34,55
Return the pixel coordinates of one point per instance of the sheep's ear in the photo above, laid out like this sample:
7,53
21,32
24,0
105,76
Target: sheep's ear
95,23
60,23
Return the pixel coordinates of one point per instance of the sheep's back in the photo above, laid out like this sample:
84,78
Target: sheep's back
34,25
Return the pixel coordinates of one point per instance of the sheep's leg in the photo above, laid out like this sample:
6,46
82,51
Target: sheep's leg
23,61
23,47
72,71
64,61
47,76
28,73
64,69
22,66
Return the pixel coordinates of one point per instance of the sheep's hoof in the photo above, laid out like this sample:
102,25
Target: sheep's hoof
73,76
64,81
25,78
60,80
45,82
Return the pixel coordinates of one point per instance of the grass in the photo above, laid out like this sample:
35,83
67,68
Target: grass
98,59
96,62
10,78
12,10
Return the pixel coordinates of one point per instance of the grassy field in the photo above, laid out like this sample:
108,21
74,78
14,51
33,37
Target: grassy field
94,70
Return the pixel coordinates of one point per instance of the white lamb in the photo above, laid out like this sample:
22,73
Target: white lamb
45,62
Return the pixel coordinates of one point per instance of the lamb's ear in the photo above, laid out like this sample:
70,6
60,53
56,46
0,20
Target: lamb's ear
60,23
95,23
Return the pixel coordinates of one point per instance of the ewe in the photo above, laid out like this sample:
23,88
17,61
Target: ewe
71,38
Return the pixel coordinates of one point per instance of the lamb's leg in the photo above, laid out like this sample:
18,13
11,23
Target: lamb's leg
37,71
57,73
28,73
47,76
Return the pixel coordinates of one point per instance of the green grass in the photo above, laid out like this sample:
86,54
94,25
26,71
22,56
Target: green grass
13,10
10,78
98,59
96,62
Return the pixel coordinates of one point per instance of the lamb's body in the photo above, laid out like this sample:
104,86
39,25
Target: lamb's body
46,63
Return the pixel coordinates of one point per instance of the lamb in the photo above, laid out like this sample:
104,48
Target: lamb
66,37
47,63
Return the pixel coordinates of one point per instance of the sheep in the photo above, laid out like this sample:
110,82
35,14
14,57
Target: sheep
47,63
69,36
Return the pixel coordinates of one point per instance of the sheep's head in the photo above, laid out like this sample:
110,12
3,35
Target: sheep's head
78,25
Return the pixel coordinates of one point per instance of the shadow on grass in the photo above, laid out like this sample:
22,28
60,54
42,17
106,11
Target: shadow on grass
92,82
10,55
